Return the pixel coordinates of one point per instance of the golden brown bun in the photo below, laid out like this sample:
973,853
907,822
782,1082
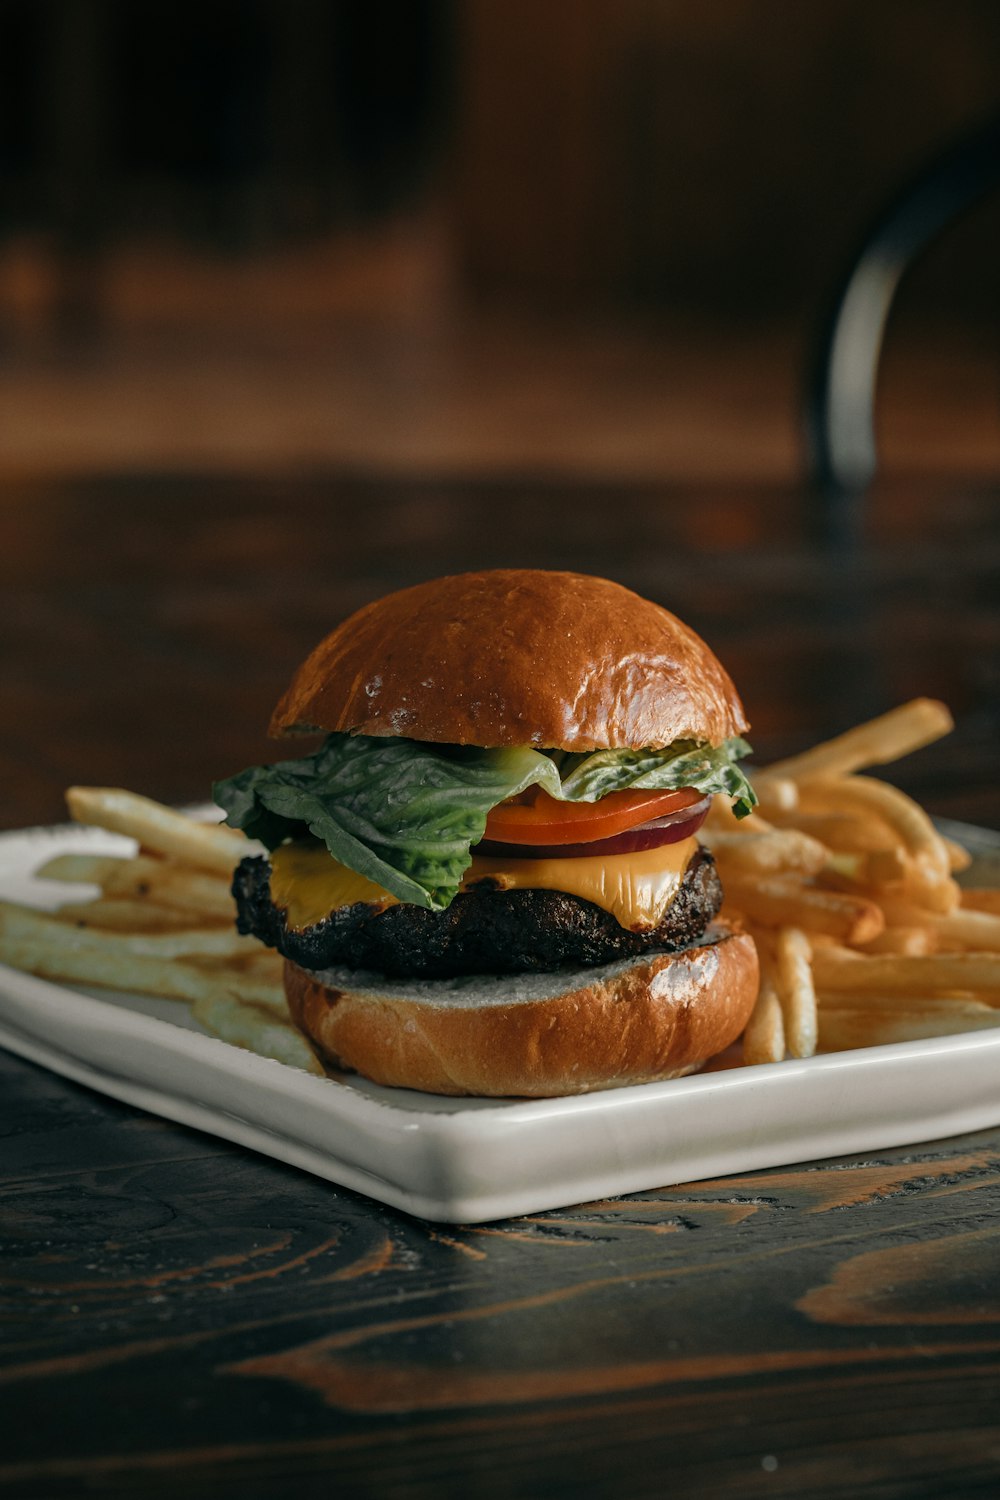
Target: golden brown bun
533,1035
515,657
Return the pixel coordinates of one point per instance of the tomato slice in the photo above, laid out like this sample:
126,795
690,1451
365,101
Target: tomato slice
537,818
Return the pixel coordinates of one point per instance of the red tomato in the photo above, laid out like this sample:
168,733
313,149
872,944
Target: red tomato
537,818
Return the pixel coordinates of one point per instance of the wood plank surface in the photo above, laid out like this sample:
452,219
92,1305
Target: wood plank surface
182,1316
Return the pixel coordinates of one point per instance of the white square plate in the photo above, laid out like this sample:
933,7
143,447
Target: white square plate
468,1160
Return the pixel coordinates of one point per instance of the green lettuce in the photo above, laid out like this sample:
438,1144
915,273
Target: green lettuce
406,813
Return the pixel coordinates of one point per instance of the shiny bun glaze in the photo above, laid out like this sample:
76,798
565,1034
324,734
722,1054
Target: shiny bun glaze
533,1035
515,657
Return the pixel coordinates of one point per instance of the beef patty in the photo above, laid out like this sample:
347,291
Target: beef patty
483,931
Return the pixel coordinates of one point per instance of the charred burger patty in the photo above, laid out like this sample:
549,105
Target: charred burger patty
483,931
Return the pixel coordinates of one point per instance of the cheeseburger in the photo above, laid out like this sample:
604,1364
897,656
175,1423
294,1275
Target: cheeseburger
486,879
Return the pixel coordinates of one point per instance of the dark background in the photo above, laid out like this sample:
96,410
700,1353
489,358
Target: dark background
477,236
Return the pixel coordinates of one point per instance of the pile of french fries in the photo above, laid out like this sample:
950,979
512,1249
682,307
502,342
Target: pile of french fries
848,889
863,932
163,924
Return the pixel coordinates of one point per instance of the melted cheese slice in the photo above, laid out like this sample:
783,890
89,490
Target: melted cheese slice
307,884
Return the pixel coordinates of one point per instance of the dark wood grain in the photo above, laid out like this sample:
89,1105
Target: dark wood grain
183,1317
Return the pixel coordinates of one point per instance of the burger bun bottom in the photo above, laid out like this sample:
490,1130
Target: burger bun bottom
533,1035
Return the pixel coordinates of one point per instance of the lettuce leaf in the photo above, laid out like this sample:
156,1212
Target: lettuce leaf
709,768
406,813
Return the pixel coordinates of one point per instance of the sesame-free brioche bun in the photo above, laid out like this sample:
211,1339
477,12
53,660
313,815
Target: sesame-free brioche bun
515,657
533,1035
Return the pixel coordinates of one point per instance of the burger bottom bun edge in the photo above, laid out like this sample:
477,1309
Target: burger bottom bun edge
538,1035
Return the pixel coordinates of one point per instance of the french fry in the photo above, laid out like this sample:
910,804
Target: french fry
874,743
878,869
720,818
796,994
927,866
764,1037
914,939
890,878
894,1001
963,927
844,872
80,869
23,928
841,832
903,913
959,857
257,1029
885,867
106,962
167,881
120,914
780,901
207,846
924,975
940,896
967,929
770,852
841,1029
173,884
980,898
909,823
777,796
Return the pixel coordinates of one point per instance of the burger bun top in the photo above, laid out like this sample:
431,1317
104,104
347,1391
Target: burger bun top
515,657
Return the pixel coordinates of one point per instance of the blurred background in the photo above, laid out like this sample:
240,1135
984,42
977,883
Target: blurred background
477,236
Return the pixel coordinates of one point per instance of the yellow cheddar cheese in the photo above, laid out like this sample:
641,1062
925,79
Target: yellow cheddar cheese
307,884
635,888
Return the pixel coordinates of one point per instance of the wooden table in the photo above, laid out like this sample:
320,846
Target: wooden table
183,1317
